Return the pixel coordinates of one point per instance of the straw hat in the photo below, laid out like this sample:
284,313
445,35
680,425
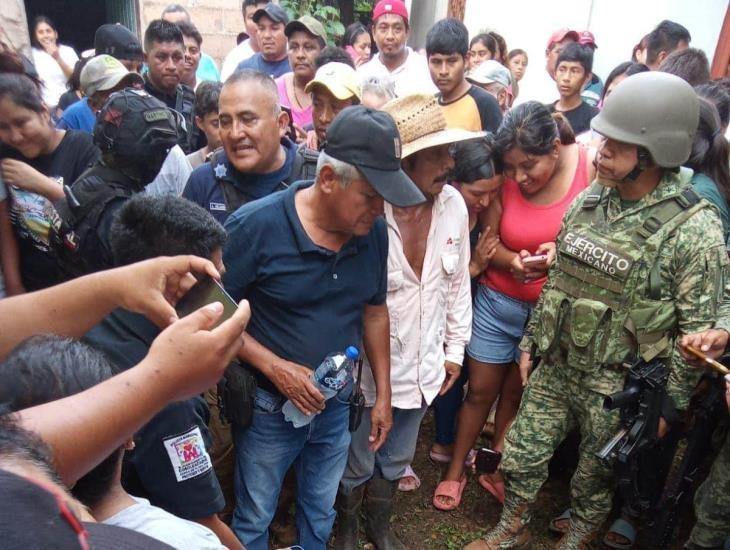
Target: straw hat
421,124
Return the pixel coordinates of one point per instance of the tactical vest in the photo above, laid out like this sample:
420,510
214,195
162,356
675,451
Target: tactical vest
73,229
604,300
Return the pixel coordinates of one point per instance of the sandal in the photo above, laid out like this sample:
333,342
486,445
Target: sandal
496,488
623,529
554,526
443,458
409,481
450,489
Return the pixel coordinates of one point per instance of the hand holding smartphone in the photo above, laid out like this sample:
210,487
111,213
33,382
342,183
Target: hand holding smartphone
206,291
536,259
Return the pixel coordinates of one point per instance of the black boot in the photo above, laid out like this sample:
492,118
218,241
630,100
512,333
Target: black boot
378,508
348,516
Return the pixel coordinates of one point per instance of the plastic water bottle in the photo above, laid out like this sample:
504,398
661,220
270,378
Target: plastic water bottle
329,378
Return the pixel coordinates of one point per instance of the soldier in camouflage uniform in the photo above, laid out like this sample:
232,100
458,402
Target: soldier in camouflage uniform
640,260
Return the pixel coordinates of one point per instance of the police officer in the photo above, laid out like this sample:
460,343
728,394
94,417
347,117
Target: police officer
135,132
640,260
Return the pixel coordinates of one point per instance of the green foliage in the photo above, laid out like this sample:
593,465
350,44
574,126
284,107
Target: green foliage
328,15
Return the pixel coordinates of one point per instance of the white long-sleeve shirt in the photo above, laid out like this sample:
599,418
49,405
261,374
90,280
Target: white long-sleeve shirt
430,318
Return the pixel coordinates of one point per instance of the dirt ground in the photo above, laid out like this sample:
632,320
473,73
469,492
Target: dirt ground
420,526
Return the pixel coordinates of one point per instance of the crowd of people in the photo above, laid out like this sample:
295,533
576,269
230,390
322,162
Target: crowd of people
403,202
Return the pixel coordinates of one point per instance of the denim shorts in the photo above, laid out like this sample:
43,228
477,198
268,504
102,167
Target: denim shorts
497,327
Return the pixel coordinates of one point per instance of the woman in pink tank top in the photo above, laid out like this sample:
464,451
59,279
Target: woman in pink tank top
544,171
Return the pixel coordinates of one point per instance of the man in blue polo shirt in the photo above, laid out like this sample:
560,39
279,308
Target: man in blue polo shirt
256,159
312,260
272,60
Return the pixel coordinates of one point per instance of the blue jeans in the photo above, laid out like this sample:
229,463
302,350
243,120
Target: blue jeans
264,453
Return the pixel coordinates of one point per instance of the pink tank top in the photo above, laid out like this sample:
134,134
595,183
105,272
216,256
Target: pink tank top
525,226
302,117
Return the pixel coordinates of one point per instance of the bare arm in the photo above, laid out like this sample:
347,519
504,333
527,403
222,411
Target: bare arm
503,256
72,308
376,339
183,361
222,531
21,174
9,258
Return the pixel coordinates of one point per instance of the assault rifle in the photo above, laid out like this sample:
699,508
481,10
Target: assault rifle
649,485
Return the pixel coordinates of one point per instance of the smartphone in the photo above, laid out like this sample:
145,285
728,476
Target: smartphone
206,291
538,258
487,460
291,132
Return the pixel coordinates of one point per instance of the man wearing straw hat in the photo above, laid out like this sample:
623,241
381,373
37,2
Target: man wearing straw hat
429,305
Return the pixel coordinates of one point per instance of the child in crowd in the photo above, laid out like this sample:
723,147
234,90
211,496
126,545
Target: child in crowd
206,119
572,73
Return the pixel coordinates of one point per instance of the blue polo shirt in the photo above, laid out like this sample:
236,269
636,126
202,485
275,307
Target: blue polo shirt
203,189
306,301
272,68
78,116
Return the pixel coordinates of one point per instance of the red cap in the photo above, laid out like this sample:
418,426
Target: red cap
562,34
396,7
586,38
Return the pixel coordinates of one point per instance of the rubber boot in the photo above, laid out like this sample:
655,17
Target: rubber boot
348,519
378,509
511,532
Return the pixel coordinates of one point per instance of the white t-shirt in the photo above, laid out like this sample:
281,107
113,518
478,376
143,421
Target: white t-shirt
413,77
161,525
50,73
237,55
173,175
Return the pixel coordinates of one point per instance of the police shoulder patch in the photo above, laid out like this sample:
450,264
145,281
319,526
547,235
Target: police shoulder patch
188,455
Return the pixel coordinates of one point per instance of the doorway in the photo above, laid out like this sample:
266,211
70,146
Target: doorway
77,20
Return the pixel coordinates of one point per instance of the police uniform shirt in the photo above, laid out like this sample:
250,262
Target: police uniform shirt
183,101
203,187
170,464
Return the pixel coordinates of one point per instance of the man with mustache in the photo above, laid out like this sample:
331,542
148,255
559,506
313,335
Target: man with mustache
271,21
429,303
407,69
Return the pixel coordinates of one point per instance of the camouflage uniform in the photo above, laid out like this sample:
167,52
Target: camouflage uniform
712,504
627,279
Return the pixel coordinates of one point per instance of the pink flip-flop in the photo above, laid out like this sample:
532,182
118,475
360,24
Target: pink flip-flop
451,489
496,488
443,458
409,481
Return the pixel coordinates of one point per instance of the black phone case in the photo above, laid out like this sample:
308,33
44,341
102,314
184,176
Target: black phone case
487,461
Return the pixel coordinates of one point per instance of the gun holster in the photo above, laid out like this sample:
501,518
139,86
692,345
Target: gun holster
236,393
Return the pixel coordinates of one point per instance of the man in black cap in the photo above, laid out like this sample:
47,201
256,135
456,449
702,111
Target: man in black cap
272,60
118,41
312,260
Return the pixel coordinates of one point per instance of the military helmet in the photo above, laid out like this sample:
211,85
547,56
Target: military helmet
657,111
134,125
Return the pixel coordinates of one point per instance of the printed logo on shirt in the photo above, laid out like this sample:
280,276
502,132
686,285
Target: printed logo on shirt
188,455
217,206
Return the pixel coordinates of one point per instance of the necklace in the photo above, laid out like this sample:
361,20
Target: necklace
296,96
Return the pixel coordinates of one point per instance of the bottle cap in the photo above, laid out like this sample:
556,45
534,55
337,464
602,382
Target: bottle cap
352,352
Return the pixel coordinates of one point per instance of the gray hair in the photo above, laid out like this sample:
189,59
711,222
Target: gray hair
346,173
380,86
264,80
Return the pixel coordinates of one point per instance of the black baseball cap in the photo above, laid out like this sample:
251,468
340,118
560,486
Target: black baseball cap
369,140
34,517
118,41
273,11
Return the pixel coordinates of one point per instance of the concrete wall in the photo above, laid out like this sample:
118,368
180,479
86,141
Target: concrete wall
617,25
219,21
